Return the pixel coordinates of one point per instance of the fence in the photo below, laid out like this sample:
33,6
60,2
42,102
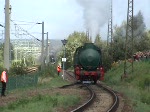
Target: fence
15,82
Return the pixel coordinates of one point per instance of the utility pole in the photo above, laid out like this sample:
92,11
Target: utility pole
42,52
47,53
7,35
129,40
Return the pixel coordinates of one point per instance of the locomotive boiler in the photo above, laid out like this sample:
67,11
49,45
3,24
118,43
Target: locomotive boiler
88,63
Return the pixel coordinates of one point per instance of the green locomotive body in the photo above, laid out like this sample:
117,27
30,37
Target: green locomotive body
88,63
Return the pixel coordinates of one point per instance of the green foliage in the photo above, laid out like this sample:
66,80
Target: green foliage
118,49
29,60
23,81
138,25
42,103
145,97
144,83
54,82
75,40
106,59
98,42
18,68
144,43
49,70
136,86
141,107
141,39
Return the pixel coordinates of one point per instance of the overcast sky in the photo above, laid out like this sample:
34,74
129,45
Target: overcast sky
63,17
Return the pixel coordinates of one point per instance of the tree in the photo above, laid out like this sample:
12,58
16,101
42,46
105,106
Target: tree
118,49
119,37
75,40
98,41
144,43
138,25
138,31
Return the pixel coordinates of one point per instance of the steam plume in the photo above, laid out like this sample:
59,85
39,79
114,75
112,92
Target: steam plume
95,14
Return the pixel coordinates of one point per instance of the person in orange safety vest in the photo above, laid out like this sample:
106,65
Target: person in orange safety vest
58,69
4,79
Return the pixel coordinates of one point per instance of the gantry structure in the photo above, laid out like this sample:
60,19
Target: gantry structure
110,29
128,63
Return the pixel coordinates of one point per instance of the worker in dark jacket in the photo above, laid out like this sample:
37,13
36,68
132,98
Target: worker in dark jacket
4,79
58,69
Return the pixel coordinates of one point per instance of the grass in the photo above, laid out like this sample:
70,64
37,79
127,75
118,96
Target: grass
135,87
42,102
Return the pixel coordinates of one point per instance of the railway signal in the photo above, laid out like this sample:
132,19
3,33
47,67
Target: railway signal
64,59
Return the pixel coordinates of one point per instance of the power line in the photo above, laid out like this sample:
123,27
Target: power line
24,21
26,32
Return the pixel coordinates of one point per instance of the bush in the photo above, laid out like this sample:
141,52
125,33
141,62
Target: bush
49,70
144,83
18,68
145,97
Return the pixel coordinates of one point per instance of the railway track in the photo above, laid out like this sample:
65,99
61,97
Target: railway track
102,99
114,96
106,100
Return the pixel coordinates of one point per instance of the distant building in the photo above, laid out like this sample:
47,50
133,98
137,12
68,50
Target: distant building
23,48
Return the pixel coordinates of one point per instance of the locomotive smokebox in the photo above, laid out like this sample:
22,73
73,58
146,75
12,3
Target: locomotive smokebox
89,57
88,63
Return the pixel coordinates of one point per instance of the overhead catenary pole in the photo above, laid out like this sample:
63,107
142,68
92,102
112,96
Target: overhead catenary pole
110,29
42,50
47,53
129,39
42,45
7,35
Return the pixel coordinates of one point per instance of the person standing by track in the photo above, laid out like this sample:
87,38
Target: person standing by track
4,79
58,69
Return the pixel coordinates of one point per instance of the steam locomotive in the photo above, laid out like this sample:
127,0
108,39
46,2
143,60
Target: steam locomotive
88,63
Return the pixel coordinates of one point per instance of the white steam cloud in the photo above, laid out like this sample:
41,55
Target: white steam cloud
96,13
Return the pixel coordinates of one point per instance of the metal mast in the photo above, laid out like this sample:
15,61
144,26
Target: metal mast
128,67
47,53
110,30
7,35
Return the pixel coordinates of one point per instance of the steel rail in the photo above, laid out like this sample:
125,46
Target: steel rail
85,105
89,101
115,105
